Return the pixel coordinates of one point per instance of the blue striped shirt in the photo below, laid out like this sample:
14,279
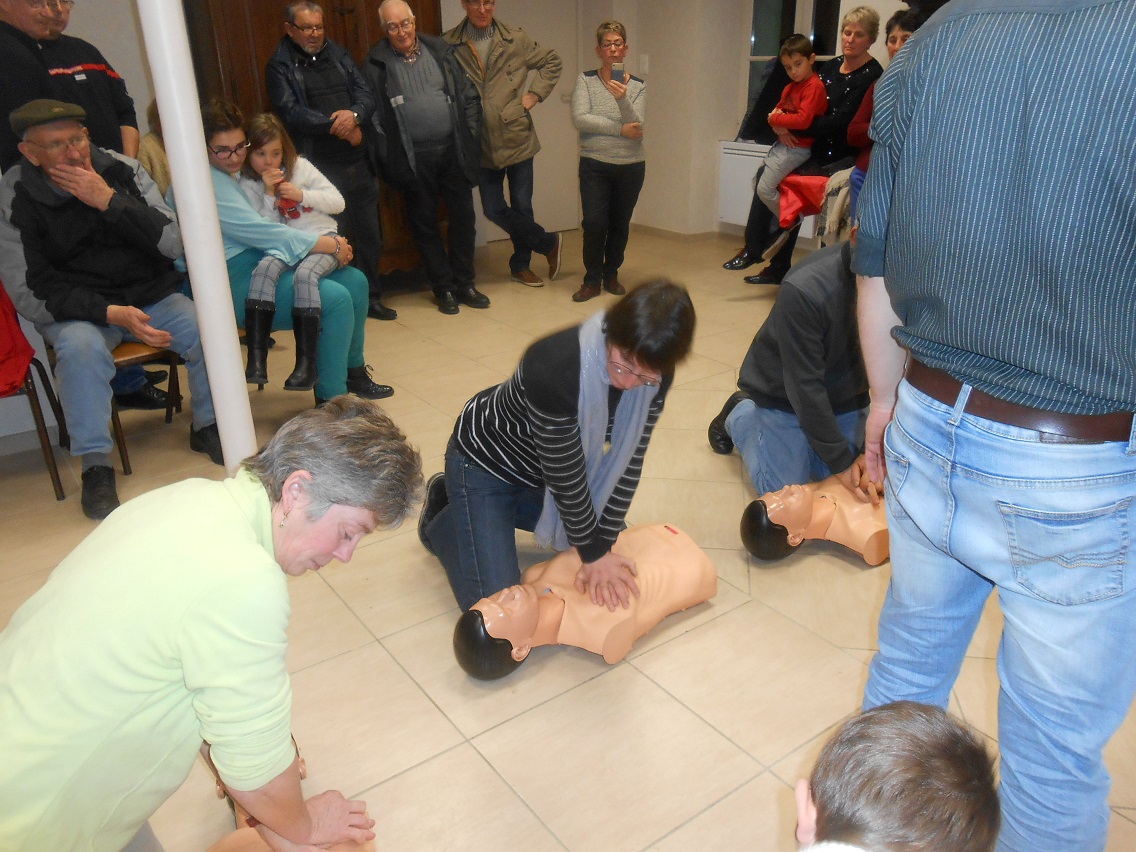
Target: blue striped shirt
1000,205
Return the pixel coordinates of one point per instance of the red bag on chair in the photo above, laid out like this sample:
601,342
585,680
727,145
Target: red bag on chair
15,351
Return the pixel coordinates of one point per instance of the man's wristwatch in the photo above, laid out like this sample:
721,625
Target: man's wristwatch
356,117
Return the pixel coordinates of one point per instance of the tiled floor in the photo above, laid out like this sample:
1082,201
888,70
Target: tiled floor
693,742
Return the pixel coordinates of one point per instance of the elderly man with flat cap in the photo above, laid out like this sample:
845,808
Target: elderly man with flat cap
86,253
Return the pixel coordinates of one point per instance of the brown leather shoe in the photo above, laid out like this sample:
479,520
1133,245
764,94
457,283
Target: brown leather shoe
553,258
528,278
586,291
612,285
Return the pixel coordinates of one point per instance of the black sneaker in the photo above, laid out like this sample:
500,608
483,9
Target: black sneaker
207,440
99,495
436,500
359,383
147,398
720,440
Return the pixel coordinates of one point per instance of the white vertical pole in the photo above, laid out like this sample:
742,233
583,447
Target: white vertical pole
167,48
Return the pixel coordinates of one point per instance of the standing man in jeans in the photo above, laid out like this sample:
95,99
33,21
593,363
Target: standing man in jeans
996,319
499,58
323,100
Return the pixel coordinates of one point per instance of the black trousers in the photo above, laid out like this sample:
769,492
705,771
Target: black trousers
759,226
608,193
439,177
359,221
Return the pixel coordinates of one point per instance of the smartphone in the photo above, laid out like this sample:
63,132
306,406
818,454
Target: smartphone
617,71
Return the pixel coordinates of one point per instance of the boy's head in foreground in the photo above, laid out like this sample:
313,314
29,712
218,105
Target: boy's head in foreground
903,776
797,56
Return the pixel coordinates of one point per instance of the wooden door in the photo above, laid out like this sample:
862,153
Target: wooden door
232,42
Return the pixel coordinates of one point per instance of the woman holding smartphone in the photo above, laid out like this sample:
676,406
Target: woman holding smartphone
608,108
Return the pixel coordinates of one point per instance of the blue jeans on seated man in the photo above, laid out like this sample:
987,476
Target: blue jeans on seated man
475,535
776,451
84,368
974,506
516,216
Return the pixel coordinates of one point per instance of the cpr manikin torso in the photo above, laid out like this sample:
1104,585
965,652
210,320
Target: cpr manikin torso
673,574
829,511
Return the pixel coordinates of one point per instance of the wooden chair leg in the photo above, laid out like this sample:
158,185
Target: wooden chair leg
56,408
44,438
173,388
119,438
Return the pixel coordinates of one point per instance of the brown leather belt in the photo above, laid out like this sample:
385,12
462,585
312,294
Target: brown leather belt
1051,426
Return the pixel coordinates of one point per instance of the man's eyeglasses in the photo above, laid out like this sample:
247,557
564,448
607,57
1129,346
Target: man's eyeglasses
80,141
312,29
40,5
393,27
226,153
624,370
617,44
484,5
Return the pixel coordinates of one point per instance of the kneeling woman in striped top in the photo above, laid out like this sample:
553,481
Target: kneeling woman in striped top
558,449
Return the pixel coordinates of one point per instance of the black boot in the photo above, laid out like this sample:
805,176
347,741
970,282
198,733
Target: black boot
258,324
306,327
359,383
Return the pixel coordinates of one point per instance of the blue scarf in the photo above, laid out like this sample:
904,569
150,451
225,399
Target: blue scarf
603,469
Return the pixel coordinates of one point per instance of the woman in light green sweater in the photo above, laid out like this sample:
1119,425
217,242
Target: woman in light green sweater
166,627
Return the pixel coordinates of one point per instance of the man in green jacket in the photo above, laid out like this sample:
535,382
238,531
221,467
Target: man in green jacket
492,53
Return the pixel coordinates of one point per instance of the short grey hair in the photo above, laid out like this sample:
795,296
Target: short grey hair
300,6
356,456
388,3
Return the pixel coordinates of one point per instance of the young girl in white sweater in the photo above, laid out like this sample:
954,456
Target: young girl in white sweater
285,187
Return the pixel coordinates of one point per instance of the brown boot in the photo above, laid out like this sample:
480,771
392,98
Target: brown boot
612,285
586,291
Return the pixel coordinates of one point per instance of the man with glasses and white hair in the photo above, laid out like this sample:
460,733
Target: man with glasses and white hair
498,58
324,102
86,236
429,122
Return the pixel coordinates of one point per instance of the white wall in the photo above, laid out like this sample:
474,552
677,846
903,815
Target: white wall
113,27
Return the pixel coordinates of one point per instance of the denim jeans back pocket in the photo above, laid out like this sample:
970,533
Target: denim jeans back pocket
1069,558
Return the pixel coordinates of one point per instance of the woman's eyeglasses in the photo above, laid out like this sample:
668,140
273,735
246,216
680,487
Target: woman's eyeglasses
624,370
226,153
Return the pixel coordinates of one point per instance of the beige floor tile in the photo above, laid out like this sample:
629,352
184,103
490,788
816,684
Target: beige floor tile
760,817
977,693
471,809
1122,833
359,719
684,454
723,384
661,764
1120,756
692,409
707,511
763,681
733,567
449,387
392,586
193,818
322,626
425,651
827,589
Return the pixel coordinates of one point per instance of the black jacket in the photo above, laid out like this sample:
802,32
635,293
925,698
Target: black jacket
284,80
389,144
79,260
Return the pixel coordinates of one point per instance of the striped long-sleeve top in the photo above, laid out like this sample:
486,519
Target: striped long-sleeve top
526,431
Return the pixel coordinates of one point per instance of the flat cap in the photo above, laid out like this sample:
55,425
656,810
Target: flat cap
44,111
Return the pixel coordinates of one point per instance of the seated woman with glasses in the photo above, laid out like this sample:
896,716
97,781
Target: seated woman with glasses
249,237
530,453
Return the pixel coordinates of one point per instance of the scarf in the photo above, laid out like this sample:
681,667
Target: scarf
603,469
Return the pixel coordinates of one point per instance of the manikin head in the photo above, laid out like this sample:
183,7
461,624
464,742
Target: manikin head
496,635
774,526
903,776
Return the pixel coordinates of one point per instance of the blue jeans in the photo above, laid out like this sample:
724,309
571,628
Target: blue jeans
480,557
516,216
608,193
84,367
974,505
776,450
